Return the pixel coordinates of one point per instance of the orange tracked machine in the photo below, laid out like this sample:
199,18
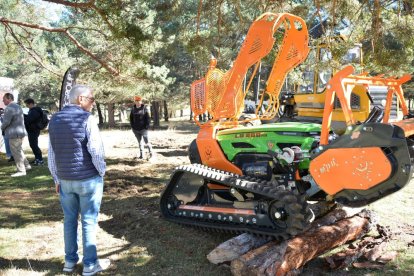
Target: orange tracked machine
266,179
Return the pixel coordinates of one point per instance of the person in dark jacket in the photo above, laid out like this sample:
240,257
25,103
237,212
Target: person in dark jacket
30,121
140,123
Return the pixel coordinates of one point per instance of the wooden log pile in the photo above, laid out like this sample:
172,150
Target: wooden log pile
252,255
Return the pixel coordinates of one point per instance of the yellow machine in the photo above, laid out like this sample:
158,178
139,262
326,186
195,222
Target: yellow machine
308,100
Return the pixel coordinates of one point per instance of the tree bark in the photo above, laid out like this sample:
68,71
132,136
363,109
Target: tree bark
281,258
235,247
111,113
98,108
155,108
239,245
370,249
165,111
161,109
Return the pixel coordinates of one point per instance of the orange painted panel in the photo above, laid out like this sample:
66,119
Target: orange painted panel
210,151
213,186
407,125
350,168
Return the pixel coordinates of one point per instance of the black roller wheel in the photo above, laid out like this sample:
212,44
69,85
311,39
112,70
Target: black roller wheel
172,204
290,212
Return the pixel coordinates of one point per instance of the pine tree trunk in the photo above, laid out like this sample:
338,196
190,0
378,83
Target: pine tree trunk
111,113
155,107
98,108
165,111
161,107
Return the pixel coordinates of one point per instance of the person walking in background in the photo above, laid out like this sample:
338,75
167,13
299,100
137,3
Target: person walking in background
140,123
6,140
13,127
31,121
76,162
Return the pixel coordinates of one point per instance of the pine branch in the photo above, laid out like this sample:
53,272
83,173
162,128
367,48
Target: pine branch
85,5
65,32
35,56
200,6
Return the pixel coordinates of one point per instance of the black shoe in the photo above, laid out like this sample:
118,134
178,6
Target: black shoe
11,159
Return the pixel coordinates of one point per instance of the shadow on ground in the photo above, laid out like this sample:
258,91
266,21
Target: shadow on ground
162,247
33,265
21,209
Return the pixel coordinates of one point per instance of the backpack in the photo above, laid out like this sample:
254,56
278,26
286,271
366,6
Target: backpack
43,121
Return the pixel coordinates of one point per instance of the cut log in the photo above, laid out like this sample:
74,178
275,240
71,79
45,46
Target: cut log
344,258
288,256
368,251
334,216
237,246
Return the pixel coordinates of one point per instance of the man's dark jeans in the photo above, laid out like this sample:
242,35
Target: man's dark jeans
34,144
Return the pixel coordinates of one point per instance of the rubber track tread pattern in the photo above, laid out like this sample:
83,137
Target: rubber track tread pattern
270,190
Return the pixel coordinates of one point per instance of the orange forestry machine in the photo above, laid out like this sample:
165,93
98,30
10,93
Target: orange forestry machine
267,179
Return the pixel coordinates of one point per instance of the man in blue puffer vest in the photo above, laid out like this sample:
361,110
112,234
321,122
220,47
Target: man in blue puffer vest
76,162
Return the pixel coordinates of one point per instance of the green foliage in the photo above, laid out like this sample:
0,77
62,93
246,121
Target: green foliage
160,47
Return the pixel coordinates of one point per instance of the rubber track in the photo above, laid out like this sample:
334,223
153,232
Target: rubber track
267,189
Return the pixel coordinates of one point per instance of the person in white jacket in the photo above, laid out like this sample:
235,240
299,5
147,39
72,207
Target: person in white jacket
14,129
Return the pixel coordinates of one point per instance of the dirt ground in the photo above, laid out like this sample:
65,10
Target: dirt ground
131,231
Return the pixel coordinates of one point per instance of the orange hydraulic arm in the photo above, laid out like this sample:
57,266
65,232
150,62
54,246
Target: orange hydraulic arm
342,84
221,94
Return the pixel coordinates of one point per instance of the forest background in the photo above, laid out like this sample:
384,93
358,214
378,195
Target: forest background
157,48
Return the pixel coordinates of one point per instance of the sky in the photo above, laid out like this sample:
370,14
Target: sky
53,10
